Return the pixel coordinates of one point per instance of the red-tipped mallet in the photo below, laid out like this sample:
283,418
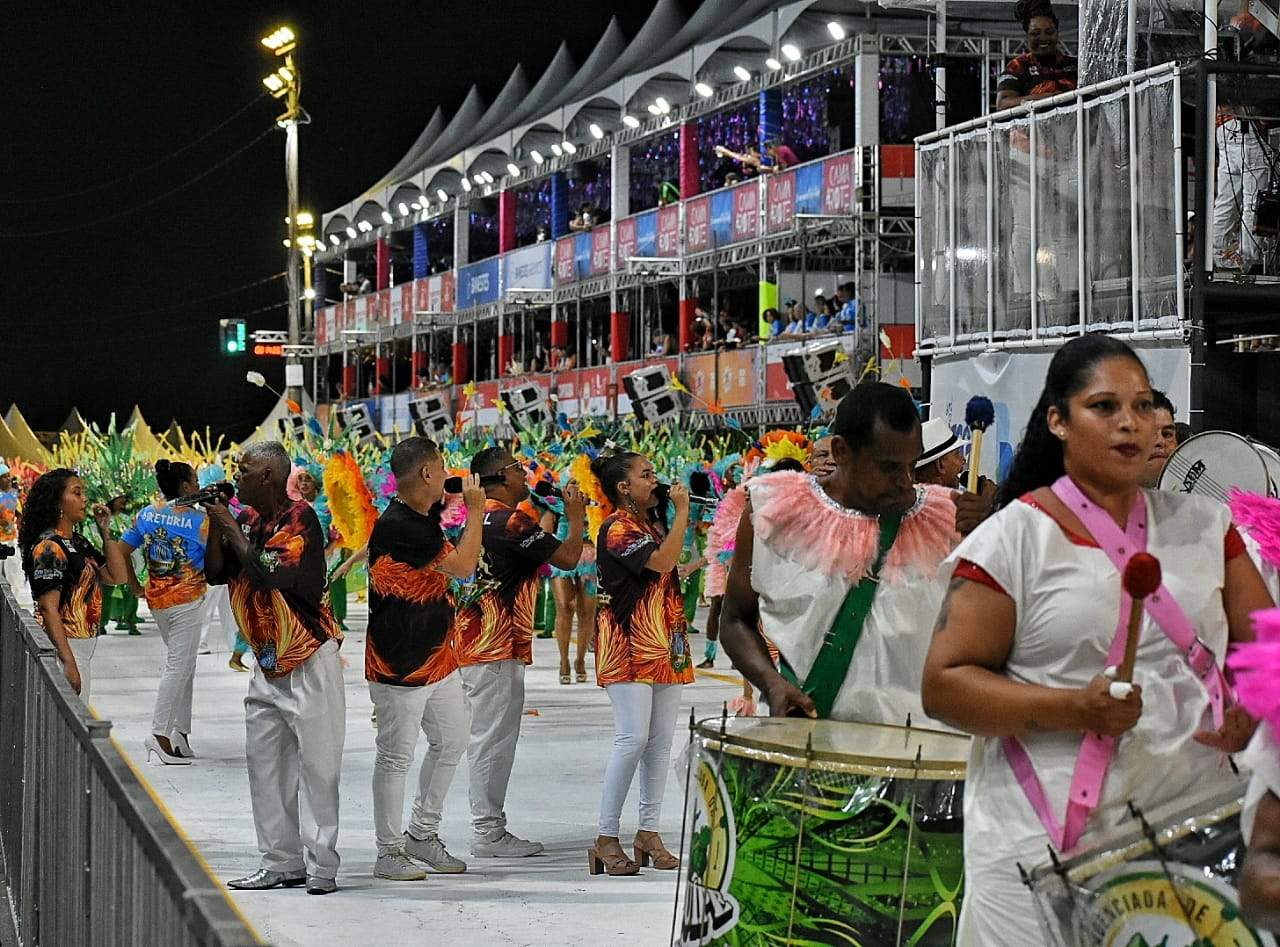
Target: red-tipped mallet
1141,578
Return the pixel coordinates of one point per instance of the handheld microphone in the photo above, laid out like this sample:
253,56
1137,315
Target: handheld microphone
223,490
452,484
546,489
663,493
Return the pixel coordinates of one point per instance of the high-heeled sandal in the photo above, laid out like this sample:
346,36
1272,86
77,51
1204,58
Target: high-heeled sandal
613,863
564,677
582,675
654,851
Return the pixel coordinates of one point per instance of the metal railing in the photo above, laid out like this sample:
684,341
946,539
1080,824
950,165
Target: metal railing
1057,217
90,857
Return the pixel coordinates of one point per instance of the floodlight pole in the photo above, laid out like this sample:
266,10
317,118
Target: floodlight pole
293,276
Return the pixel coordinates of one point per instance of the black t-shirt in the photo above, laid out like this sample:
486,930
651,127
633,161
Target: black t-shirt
69,566
410,606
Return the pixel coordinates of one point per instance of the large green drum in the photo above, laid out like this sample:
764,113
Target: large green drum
821,832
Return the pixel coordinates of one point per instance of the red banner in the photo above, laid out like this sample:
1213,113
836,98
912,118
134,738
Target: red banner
322,318
407,296
565,272
697,225
669,231
448,291
423,294
736,373
382,308
837,185
746,212
625,231
780,207
600,250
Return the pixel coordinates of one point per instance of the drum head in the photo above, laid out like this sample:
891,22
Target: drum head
837,746
1212,463
1271,460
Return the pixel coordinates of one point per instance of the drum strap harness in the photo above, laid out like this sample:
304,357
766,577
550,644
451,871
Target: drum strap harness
1096,749
831,666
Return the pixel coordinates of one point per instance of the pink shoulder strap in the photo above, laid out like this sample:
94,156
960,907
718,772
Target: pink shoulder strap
1096,749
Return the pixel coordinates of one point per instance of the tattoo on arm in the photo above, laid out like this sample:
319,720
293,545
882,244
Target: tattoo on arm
945,612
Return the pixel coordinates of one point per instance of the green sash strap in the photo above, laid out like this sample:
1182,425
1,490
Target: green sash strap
831,666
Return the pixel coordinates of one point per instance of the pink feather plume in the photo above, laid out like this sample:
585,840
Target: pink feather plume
721,536
1256,667
1258,516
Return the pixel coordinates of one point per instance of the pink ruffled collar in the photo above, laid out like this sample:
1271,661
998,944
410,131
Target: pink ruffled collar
795,517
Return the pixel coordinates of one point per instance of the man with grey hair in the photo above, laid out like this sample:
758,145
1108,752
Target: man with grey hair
271,558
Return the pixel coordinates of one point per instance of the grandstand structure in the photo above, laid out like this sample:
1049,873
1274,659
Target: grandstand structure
474,267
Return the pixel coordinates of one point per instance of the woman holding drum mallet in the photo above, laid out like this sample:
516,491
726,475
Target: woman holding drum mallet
1034,628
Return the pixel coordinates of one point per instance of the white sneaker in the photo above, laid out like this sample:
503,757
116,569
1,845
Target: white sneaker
432,851
505,845
396,866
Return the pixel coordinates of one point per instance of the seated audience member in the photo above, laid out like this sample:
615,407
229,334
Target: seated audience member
818,317
663,342
773,319
731,179
668,193
749,159
781,156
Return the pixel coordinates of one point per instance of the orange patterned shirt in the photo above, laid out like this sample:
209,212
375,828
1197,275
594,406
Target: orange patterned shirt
641,635
278,599
70,566
495,619
410,605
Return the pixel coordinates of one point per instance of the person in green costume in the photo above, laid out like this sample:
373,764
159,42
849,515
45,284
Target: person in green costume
120,602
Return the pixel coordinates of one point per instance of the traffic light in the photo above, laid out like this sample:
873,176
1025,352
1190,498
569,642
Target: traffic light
232,334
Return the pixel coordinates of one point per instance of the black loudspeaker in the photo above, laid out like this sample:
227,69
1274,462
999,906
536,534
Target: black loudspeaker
292,427
659,409
527,405
820,374
355,418
432,415
647,382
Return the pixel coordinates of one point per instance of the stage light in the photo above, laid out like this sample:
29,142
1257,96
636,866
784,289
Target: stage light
704,90
569,147
333,238
663,105
478,178
466,185
387,218
513,169
836,31
557,150
443,195
653,109
286,243
309,293
352,233
285,73
306,219
488,176
772,64
536,155
280,41
403,208
743,74
365,226
596,131
630,121
273,83
791,51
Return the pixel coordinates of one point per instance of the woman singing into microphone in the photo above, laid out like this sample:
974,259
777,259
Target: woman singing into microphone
642,653
1033,616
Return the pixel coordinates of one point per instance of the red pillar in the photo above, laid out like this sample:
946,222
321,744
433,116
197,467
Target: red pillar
689,175
559,339
687,307
461,372
383,368
619,336
382,254
506,352
506,221
419,365
349,380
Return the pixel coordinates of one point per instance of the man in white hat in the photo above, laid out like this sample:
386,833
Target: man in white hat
942,463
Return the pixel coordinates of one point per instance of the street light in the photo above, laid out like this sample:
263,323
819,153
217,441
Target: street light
286,84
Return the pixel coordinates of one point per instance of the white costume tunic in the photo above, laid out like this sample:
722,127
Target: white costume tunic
1067,594
1262,759
810,551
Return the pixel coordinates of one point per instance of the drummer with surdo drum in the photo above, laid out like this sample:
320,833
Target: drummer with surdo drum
844,574
1035,622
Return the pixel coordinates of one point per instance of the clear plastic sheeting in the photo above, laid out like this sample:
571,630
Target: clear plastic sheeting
1102,53
1057,222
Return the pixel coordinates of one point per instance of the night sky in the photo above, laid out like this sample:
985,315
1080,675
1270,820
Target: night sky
117,309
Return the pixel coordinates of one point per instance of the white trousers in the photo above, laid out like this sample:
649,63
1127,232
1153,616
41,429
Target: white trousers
294,730
218,600
11,568
1242,172
644,722
180,630
439,710
82,649
495,698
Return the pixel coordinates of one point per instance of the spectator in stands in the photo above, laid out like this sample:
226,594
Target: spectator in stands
1045,70
848,311
732,335
586,218
357,287
819,317
664,342
542,235
441,375
773,318
668,193
781,156
795,319
701,338
731,179
749,160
